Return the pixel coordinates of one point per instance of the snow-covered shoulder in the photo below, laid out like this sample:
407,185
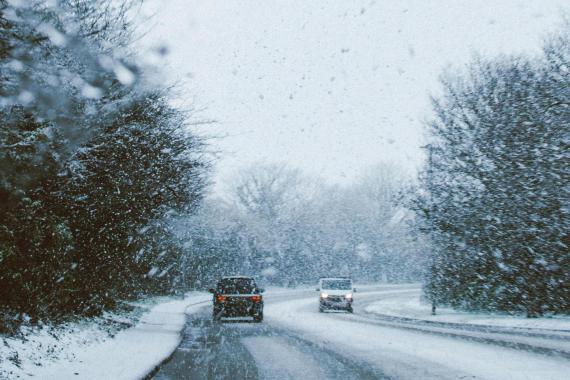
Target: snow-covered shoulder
86,350
409,305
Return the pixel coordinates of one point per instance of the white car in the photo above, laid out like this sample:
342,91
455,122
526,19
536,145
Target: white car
335,293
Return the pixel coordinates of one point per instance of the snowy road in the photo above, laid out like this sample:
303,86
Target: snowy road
298,342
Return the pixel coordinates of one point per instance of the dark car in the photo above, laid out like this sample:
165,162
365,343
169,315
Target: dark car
237,296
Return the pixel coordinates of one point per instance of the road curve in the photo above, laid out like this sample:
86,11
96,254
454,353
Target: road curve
296,341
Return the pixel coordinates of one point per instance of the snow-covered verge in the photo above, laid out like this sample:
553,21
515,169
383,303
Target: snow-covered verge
91,350
409,305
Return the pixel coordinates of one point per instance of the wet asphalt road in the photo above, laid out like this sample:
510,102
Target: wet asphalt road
212,350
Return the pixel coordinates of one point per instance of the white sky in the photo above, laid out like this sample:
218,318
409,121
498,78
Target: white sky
331,87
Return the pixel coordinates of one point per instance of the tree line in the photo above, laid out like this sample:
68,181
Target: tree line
494,199
94,163
289,228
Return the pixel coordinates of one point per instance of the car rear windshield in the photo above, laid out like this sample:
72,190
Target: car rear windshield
337,284
236,286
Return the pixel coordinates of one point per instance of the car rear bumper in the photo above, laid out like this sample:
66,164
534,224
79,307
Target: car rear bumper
233,311
238,307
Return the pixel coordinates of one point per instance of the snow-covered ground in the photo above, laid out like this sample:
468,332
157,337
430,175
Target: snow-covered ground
408,305
86,350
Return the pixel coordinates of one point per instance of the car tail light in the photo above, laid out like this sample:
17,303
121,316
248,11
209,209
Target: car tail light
256,298
220,298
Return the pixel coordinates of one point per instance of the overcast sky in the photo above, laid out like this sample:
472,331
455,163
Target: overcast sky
331,87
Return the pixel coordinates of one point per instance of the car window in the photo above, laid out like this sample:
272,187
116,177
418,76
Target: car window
337,284
236,286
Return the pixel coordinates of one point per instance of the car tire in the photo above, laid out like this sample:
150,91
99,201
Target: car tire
349,310
258,318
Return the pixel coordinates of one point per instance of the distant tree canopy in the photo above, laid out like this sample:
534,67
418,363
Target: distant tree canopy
93,163
288,228
495,199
